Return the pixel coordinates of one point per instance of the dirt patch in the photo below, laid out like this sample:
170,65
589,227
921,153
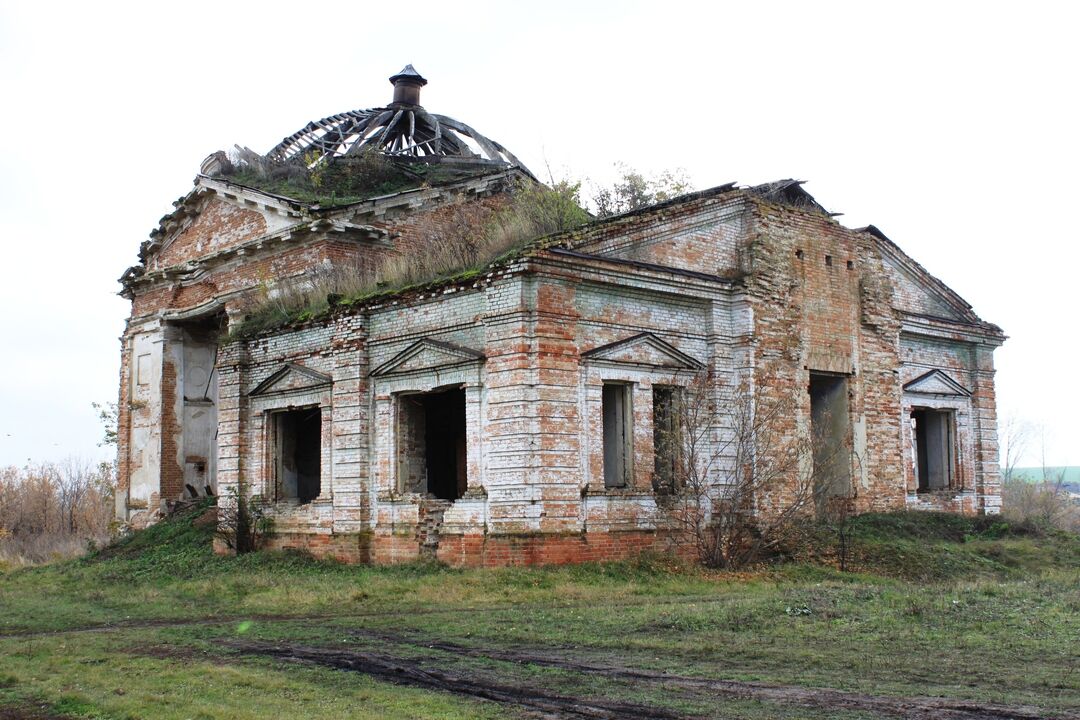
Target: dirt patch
28,712
399,672
174,652
392,669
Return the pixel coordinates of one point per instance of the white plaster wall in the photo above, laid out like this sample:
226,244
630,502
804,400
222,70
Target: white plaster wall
144,441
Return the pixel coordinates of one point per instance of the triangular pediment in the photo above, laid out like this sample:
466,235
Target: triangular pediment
212,217
917,291
645,349
428,354
291,377
936,382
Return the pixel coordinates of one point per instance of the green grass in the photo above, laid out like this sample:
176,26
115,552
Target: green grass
968,608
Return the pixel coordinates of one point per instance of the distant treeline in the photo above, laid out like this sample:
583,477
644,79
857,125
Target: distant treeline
54,510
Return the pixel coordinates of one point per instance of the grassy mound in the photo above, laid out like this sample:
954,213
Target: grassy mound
937,546
912,545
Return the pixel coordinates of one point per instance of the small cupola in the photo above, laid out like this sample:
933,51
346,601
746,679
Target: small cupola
407,84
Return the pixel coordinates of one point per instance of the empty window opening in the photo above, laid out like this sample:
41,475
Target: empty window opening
829,432
618,434
432,455
933,448
665,438
828,260
298,454
850,264
798,254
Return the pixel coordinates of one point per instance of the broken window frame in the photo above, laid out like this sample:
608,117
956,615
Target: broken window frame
949,417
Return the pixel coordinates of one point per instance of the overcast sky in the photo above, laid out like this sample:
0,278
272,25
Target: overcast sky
951,126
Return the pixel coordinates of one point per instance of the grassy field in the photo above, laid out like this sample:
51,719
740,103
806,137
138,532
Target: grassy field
1070,474
945,617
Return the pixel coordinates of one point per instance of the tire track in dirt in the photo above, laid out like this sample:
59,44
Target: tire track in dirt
408,672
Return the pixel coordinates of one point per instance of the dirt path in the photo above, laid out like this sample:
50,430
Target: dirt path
410,672
905,707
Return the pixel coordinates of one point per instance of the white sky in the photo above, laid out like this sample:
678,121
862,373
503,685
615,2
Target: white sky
951,126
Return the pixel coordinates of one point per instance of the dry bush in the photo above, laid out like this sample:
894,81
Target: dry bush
54,510
1046,504
745,476
242,522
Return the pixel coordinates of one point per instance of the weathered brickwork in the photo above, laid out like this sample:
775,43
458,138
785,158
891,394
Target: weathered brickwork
497,385
225,248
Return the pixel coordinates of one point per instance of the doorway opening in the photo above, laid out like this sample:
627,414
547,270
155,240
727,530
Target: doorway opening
829,432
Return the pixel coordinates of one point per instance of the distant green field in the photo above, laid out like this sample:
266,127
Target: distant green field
1035,474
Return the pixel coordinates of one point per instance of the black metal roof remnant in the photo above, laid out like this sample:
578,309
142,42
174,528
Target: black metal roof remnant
789,192
403,129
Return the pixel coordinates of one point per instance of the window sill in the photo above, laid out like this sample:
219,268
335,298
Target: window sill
294,502
626,491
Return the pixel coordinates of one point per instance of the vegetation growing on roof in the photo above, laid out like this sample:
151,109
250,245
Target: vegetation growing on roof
343,180
477,239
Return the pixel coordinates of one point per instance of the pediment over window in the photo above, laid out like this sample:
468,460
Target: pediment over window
291,377
428,354
645,349
936,382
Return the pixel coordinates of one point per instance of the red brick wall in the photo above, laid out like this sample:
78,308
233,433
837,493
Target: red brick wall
220,224
484,550
816,308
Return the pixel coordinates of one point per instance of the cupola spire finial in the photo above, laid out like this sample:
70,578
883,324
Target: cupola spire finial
407,84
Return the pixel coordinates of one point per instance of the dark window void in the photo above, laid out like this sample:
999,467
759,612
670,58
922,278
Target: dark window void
298,448
829,431
618,431
432,454
665,437
933,448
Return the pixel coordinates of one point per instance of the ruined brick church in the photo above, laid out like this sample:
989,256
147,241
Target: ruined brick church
514,415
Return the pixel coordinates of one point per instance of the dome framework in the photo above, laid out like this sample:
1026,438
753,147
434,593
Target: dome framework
402,129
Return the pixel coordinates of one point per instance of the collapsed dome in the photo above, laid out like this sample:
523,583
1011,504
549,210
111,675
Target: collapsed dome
401,129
